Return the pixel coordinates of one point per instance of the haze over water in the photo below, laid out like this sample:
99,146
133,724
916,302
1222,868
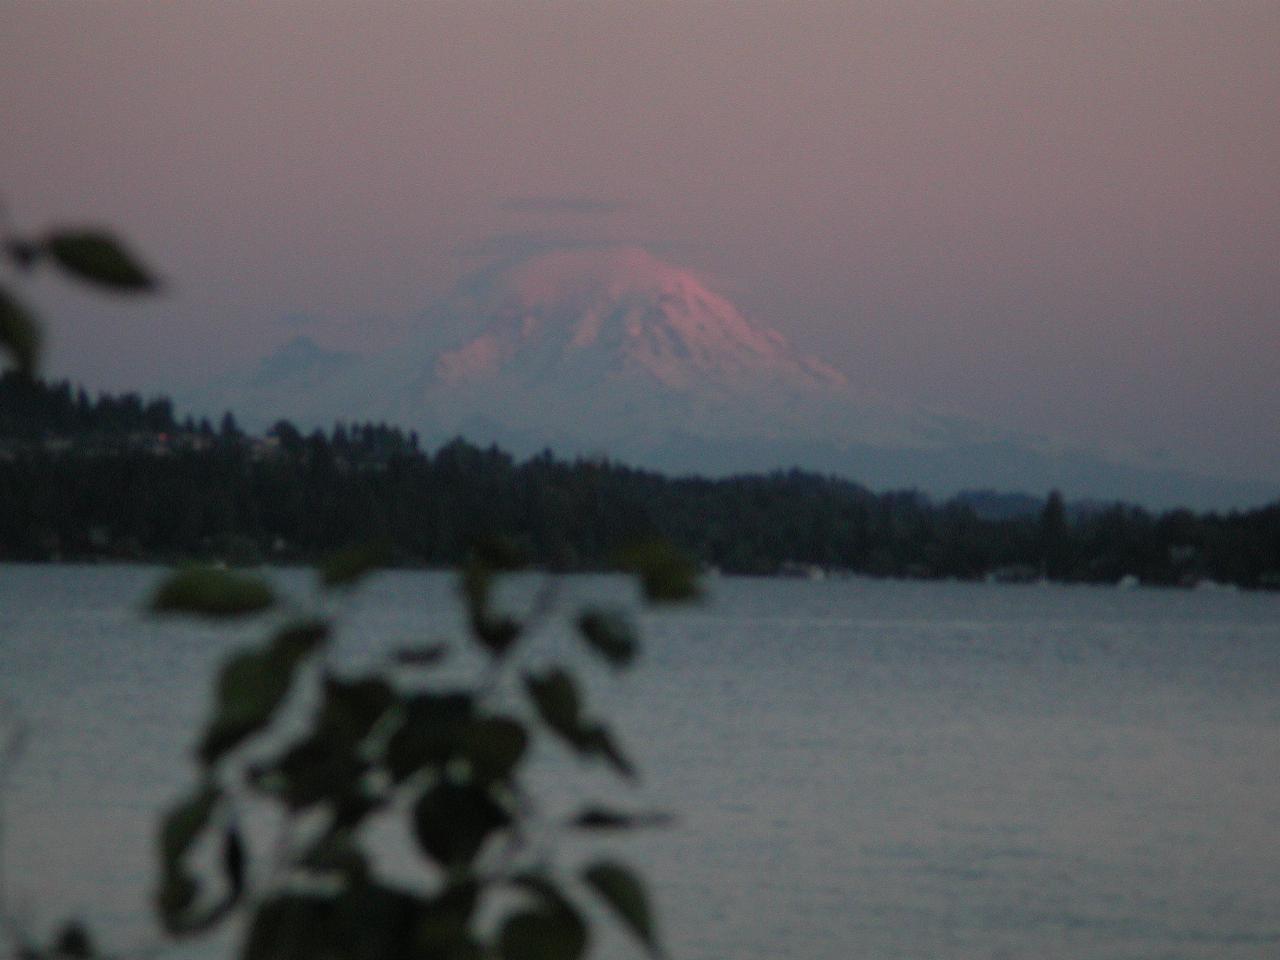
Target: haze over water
859,768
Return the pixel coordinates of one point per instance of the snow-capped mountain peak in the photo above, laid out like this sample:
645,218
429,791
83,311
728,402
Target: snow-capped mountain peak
611,350
626,312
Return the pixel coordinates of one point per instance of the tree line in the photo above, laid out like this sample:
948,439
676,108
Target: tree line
122,477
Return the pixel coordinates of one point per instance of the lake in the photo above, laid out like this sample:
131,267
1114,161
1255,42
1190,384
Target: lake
859,769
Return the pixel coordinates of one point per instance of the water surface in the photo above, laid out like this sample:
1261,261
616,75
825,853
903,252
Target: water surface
861,769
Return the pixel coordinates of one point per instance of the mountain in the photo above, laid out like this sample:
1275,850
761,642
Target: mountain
612,351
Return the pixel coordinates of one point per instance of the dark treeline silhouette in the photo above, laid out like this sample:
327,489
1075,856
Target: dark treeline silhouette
122,477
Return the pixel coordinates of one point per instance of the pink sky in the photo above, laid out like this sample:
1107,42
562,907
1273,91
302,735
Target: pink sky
1061,216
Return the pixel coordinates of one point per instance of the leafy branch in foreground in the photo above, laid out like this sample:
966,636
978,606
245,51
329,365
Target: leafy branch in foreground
96,257
413,742
91,255
433,739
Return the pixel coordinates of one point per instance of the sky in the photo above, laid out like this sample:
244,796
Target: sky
1060,217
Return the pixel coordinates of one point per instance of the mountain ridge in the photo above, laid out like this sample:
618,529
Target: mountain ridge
613,351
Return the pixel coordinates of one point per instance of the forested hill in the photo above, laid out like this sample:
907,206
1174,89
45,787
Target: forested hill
121,477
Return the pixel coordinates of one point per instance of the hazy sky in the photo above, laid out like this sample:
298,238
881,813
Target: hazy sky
1061,216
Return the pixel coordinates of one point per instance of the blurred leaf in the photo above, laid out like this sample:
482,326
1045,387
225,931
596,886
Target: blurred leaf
318,768
666,574
427,656
540,885
610,634
497,634
599,742
175,902
623,891
352,707
250,688
74,942
97,257
549,932
431,733
475,582
601,818
298,639
253,684
494,746
324,766
233,861
444,923
23,253
451,822
290,927
346,567
555,695
19,333
176,894
354,804
212,592
185,821
370,921
336,852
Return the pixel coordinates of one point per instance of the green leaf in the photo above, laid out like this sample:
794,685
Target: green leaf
175,900
315,770
299,639
374,922
545,933
23,253
431,734
348,566
496,634
602,818
475,583
666,574
444,923
290,927
494,746
353,707
451,822
185,821
74,942
233,857
624,893
212,592
599,742
338,853
177,893
352,806
250,688
253,684
325,765
555,695
19,333
610,634
98,257
427,656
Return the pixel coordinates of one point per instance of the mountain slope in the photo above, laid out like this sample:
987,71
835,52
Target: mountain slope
612,351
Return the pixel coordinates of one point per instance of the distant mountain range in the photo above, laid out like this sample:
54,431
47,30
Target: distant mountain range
611,351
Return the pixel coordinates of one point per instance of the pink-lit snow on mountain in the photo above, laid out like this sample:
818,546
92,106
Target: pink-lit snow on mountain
611,351
622,311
